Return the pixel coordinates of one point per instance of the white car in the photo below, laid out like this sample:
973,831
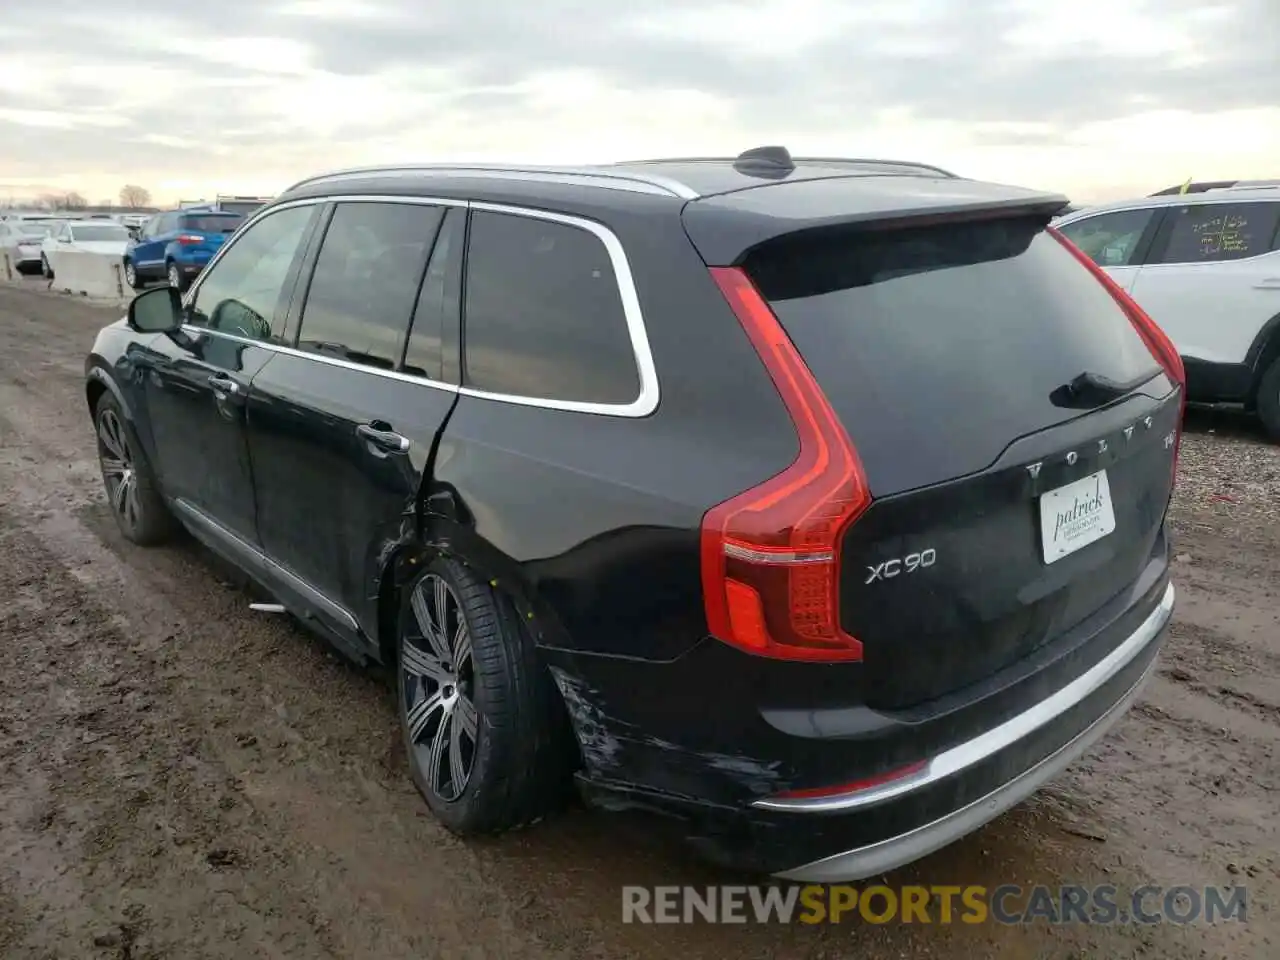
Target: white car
87,236
1206,267
21,239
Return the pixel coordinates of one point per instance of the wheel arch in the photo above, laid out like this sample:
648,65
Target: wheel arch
441,537
1264,351
445,537
97,382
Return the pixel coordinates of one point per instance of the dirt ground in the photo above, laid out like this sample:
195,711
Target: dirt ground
181,777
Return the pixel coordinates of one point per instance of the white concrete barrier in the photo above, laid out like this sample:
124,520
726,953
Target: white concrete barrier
90,274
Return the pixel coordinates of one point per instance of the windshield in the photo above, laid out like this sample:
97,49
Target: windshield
35,231
94,232
212,222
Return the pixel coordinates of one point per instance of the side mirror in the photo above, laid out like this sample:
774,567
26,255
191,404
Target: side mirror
156,311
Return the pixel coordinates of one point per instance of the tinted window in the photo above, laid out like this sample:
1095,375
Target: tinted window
94,232
211,223
939,346
1210,232
423,353
240,208
1110,239
240,293
543,313
366,280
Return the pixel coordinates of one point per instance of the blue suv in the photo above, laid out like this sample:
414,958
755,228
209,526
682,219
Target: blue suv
176,245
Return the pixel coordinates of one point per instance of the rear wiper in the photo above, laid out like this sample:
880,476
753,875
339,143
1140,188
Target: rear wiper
1093,390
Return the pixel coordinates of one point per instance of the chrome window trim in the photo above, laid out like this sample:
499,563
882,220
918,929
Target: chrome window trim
321,358
647,401
602,176
644,404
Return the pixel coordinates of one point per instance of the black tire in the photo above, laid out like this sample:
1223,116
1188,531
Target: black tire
131,276
519,763
1269,400
174,277
132,492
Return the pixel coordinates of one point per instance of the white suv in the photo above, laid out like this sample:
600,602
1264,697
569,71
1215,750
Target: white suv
1206,267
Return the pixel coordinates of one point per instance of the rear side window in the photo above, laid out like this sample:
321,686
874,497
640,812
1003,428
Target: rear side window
543,314
1110,239
950,341
366,281
1212,232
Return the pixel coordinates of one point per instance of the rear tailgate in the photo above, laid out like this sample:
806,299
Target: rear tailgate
203,234
977,367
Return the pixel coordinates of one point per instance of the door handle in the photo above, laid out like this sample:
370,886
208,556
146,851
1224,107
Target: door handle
382,437
223,386
1270,283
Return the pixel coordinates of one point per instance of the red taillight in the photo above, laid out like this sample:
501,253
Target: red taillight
1157,340
771,555
867,783
187,239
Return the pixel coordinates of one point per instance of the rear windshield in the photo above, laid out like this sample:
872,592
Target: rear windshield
959,337
95,232
212,222
239,207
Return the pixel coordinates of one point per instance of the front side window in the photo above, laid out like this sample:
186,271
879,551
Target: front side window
1211,232
1110,239
366,281
543,313
240,293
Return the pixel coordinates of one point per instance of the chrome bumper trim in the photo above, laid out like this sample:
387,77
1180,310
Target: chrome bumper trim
878,858
974,751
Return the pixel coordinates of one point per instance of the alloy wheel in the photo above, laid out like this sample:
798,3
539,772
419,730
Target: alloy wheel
437,672
130,274
175,278
118,469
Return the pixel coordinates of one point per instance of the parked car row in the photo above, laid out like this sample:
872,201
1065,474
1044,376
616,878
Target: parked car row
29,238
1206,266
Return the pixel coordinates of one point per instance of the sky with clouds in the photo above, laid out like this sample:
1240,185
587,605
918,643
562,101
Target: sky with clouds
1097,98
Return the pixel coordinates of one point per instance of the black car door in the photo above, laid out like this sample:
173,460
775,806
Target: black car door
341,427
198,381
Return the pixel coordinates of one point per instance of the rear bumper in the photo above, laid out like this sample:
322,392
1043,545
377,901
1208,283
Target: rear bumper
730,780
858,862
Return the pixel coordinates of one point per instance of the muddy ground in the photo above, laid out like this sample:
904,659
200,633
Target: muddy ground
183,778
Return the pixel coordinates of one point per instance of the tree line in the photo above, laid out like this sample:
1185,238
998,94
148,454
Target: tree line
131,195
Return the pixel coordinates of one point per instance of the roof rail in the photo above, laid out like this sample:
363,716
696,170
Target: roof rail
828,161
1207,186
601,176
1248,185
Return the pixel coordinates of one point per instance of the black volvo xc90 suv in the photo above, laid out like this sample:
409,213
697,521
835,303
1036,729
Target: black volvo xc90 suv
817,504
